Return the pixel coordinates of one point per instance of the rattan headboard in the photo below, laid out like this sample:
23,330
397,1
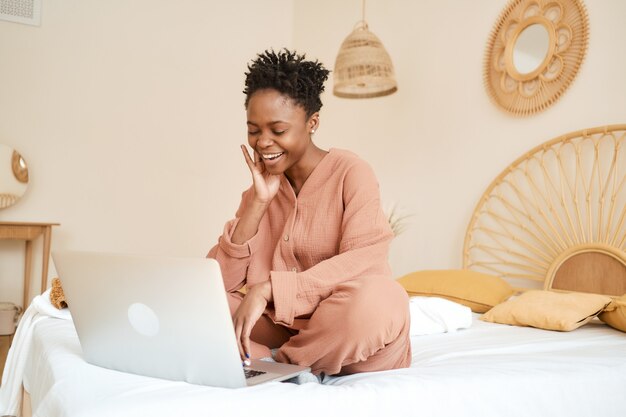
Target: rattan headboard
556,217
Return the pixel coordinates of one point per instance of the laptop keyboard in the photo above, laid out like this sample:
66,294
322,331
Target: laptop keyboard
251,372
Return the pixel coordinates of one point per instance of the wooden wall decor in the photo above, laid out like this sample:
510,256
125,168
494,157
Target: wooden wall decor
534,53
558,206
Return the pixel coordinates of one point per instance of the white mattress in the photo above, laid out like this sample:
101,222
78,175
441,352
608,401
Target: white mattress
487,370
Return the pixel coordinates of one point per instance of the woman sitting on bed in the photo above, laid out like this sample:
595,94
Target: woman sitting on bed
309,239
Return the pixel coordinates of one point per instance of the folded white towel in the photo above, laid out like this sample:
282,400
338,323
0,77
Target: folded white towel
437,315
11,388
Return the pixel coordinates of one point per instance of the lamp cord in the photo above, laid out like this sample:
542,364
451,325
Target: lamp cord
363,10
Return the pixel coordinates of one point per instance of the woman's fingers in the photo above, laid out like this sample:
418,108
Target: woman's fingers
249,161
256,166
238,338
245,318
242,333
238,330
245,339
259,175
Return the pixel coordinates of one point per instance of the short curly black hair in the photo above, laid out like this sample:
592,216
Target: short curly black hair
290,74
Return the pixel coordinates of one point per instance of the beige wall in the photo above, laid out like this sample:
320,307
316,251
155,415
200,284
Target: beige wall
438,142
130,113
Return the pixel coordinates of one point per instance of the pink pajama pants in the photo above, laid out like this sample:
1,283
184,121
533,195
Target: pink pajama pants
362,326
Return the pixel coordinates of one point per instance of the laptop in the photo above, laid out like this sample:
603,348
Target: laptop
160,317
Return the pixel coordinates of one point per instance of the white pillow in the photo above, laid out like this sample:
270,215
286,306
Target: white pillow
431,315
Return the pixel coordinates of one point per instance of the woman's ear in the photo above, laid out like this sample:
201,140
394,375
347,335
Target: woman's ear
314,122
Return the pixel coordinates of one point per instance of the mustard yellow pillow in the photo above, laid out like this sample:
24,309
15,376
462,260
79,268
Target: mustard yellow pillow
548,310
615,314
476,290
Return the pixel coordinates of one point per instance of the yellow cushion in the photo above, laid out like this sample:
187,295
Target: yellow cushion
615,314
548,310
476,290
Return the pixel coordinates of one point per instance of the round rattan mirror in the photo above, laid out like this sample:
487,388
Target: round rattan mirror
531,50
534,53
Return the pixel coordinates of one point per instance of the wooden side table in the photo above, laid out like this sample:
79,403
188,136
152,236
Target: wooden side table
30,232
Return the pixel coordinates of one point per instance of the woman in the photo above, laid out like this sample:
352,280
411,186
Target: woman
309,240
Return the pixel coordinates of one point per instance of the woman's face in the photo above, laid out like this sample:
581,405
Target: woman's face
278,129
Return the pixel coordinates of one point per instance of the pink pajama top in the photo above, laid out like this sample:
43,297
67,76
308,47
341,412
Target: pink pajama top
334,231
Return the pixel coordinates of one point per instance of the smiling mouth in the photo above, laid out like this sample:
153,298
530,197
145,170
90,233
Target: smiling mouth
272,156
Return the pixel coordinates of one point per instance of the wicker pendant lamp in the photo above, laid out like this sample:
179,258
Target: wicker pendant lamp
363,68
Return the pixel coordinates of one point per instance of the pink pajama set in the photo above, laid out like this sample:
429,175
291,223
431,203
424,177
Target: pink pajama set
336,307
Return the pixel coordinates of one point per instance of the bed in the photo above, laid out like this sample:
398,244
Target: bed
554,220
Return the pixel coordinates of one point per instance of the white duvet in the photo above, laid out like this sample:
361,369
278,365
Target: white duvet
486,370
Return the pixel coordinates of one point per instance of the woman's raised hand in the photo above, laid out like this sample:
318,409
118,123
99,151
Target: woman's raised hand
265,184
265,188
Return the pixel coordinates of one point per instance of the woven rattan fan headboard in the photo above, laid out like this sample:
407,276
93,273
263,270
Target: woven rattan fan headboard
556,217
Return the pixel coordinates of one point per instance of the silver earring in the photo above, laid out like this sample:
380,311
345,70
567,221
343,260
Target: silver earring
312,130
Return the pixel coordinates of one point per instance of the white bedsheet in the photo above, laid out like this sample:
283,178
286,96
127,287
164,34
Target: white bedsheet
11,388
487,370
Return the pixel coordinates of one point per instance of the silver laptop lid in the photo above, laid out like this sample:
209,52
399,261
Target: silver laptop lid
153,316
